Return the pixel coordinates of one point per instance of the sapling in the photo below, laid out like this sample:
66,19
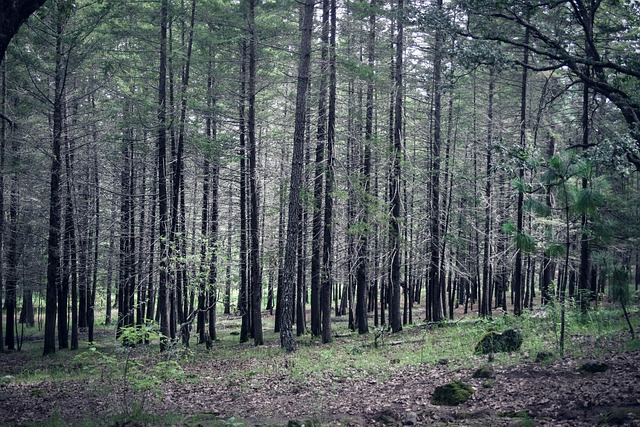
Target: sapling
620,293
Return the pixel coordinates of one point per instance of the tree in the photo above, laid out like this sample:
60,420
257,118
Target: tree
55,206
12,15
293,223
394,179
327,252
556,27
162,178
318,184
362,273
254,241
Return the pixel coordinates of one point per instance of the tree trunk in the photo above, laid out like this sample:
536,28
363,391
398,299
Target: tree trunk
485,305
518,276
327,244
293,226
254,226
434,268
55,207
362,269
395,180
318,184
162,180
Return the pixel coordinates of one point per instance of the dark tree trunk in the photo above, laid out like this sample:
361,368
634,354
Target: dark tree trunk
163,307
518,275
55,207
3,141
14,13
12,258
96,245
362,270
437,291
318,184
254,226
327,244
205,262
395,180
485,304
293,226
69,247
244,297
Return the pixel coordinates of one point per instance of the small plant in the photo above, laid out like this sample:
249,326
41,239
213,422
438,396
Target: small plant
133,376
621,294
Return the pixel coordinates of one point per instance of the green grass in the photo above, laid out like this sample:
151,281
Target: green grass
350,357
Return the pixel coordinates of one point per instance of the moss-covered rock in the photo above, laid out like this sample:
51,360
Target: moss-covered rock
619,416
483,372
451,394
593,366
494,342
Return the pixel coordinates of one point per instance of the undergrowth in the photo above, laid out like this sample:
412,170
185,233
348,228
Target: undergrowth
140,370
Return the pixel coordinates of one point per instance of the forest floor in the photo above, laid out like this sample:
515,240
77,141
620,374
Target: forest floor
355,381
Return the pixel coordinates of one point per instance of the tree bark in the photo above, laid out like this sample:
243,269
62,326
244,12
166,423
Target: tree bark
362,270
55,207
162,181
293,223
395,180
254,226
318,184
327,244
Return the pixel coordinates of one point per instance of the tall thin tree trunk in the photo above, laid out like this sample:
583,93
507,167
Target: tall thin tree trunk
244,297
434,269
293,226
55,207
318,184
518,275
163,307
395,180
362,271
327,244
254,226
3,141
485,304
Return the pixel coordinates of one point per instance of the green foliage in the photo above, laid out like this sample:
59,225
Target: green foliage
452,394
136,375
619,286
525,242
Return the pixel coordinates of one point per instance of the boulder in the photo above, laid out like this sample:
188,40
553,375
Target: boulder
594,366
483,372
411,419
494,342
451,394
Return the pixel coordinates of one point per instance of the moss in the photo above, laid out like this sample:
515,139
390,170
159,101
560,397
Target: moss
493,342
451,394
594,366
483,372
619,416
544,357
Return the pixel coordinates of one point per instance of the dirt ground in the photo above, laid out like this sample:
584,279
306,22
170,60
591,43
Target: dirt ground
555,394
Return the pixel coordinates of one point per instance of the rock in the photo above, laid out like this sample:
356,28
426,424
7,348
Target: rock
411,419
386,417
544,356
451,394
443,362
483,372
594,366
620,416
493,342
